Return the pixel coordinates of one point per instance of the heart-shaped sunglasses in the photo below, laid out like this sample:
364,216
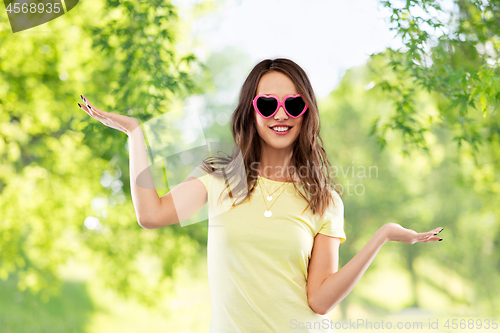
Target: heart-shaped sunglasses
268,105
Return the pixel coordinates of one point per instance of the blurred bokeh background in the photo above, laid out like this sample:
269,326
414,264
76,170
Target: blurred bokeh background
408,93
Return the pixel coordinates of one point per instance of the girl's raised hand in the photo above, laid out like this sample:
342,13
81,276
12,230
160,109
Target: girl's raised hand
117,121
397,233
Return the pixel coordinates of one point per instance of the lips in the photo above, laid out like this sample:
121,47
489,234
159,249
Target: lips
280,125
281,129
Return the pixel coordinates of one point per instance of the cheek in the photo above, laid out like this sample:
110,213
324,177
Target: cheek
298,125
256,119
259,126
260,123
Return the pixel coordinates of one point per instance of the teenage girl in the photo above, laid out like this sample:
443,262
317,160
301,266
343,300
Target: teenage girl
272,258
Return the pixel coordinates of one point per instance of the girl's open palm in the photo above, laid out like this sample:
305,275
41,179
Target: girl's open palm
117,121
397,233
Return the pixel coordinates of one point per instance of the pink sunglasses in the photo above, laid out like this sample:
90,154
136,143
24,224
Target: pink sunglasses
268,105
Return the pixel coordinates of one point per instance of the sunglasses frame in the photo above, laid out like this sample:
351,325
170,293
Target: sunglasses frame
280,103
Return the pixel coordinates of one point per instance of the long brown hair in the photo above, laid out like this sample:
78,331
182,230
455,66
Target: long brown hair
308,148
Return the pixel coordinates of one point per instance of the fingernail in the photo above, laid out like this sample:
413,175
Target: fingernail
441,239
440,230
81,96
79,105
436,233
89,106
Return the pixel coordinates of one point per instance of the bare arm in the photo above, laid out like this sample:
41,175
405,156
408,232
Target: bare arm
145,198
331,289
179,204
151,211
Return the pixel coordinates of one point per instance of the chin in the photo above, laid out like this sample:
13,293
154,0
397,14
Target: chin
277,145
278,141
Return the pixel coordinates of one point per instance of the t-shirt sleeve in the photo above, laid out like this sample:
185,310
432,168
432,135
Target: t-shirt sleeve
202,175
333,222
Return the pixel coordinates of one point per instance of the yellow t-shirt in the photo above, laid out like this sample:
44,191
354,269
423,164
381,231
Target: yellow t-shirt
257,266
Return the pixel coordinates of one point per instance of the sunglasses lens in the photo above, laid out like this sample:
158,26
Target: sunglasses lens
295,105
267,105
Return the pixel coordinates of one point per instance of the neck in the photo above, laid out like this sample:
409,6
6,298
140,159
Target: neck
274,163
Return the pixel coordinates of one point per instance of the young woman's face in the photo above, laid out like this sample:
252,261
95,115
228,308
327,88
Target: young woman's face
280,85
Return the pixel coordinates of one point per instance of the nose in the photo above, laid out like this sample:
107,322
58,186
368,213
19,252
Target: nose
281,114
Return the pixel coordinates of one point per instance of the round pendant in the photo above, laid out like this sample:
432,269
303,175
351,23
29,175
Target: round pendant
268,213
269,198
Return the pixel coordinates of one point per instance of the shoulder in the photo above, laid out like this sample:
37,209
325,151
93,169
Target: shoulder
336,198
335,208
202,174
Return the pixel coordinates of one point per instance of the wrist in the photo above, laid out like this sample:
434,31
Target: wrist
383,232
135,126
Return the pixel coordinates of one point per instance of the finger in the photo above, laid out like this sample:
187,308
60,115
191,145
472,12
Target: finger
107,118
84,109
99,114
91,112
436,231
87,103
434,239
88,107
433,232
85,100
430,236
427,234
94,112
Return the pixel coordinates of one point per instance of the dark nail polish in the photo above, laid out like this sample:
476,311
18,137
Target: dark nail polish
79,105
440,231
436,233
81,96
89,106
441,239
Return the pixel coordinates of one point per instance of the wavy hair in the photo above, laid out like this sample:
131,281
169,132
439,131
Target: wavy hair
308,148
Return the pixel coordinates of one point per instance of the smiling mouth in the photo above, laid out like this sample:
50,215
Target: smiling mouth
281,129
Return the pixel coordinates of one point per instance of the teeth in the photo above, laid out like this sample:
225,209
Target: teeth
281,129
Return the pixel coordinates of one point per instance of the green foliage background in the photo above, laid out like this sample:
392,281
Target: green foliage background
425,116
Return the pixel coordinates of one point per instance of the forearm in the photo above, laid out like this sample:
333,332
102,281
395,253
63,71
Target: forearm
144,196
338,285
